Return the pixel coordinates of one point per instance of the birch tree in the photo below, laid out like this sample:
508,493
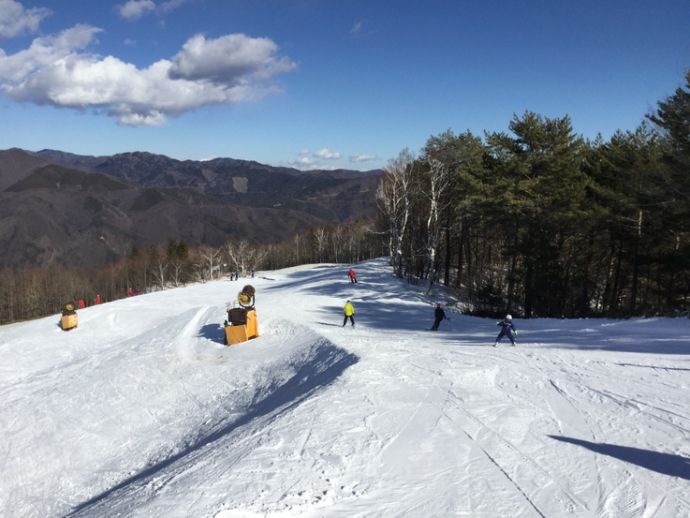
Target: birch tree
320,238
438,186
177,259
337,242
209,262
160,269
177,267
244,256
393,199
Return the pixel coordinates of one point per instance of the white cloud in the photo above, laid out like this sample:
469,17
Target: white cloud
15,19
304,162
357,28
171,5
362,158
360,29
327,154
17,70
56,71
307,160
134,9
229,59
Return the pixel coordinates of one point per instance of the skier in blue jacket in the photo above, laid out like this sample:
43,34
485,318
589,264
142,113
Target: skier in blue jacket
507,329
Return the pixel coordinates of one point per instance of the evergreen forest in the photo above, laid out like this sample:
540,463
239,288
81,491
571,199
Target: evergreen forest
543,223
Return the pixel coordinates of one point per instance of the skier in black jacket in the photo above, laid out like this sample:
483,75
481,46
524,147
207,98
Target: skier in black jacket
439,315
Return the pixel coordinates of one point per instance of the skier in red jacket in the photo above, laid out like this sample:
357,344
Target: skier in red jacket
352,275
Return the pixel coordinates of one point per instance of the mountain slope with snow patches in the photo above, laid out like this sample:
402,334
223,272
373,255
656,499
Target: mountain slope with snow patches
141,411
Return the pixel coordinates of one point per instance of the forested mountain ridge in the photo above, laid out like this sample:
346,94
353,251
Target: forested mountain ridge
16,164
333,196
87,211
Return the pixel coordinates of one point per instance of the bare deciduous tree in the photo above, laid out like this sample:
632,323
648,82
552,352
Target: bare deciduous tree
393,197
244,256
210,257
160,269
337,242
438,185
177,267
320,235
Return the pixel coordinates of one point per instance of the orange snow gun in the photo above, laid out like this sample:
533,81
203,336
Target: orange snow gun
69,317
242,324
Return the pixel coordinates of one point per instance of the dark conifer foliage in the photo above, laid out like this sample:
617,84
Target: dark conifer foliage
540,222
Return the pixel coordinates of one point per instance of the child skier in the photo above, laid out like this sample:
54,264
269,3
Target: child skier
507,329
349,311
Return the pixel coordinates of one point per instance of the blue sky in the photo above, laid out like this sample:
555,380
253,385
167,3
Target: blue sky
324,83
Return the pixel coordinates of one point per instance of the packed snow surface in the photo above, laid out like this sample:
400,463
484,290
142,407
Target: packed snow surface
141,411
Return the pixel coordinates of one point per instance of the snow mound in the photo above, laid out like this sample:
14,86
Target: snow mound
93,426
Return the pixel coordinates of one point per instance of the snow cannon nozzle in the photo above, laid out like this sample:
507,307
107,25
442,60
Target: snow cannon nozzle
246,296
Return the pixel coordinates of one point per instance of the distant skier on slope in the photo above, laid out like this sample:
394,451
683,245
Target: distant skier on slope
507,329
439,315
349,311
352,275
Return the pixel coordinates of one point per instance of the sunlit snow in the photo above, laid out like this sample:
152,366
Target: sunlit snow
141,411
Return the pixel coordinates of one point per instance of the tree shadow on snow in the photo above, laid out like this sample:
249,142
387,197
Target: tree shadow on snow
389,316
664,463
297,279
657,367
332,280
639,335
387,303
409,320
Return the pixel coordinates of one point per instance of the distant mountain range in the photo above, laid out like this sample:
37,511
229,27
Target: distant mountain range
86,210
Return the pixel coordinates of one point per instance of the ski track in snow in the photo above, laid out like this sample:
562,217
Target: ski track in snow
141,411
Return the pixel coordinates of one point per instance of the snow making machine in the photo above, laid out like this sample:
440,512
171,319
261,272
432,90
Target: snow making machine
69,318
242,324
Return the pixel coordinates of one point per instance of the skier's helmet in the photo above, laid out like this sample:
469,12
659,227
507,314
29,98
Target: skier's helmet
509,317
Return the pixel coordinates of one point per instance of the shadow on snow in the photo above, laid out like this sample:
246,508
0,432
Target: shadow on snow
374,297
311,377
214,332
664,463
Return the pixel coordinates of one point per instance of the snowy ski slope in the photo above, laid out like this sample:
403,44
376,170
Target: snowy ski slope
142,412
